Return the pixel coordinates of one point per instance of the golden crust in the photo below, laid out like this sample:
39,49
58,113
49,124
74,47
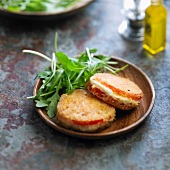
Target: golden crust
117,91
84,112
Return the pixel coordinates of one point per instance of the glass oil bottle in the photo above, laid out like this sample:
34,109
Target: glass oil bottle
155,27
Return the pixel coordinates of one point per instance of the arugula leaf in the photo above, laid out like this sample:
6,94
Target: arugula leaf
44,74
41,103
51,109
56,79
68,63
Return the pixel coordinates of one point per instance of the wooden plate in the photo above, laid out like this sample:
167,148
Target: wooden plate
46,15
125,120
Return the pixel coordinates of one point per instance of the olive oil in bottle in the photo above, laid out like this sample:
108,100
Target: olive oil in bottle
155,27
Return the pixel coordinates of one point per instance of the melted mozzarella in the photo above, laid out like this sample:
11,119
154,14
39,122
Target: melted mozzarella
111,93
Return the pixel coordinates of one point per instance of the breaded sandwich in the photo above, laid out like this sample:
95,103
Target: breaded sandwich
84,112
117,91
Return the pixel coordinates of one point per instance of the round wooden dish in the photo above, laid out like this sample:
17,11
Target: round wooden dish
125,120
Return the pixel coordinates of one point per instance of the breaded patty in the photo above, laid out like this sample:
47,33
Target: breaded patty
84,112
117,91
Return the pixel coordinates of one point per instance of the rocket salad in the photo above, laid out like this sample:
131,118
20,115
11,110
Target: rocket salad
67,74
36,5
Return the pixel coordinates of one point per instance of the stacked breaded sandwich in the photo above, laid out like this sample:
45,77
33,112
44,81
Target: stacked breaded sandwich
93,109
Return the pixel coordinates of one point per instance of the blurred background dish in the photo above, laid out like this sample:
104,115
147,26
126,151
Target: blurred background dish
42,8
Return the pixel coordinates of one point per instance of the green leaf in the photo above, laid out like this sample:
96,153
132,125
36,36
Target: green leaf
41,103
35,6
56,79
51,109
44,74
68,63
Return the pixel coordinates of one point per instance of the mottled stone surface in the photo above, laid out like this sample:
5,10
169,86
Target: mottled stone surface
27,143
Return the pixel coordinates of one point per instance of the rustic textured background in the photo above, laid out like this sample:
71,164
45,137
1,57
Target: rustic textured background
26,142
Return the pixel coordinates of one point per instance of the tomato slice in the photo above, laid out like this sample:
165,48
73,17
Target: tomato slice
86,123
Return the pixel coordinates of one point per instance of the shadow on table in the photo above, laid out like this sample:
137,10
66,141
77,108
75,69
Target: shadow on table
20,24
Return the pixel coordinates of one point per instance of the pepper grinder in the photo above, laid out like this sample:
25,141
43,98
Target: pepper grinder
132,27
